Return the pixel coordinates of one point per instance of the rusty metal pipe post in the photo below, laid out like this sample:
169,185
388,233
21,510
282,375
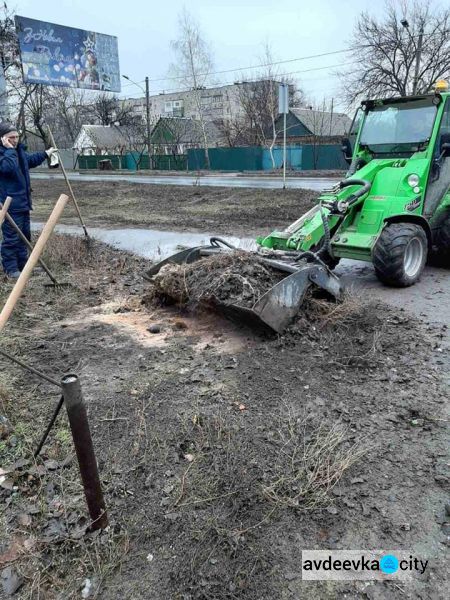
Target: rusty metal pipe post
76,411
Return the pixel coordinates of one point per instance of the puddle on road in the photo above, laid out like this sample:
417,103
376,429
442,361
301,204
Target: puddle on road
150,243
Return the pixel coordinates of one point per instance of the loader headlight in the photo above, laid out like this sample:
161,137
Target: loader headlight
413,180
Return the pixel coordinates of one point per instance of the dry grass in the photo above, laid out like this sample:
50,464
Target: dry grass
74,252
310,464
236,486
350,332
5,389
53,563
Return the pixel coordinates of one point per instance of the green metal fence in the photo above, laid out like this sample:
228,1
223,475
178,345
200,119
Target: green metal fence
174,162
93,162
251,158
133,161
227,159
255,158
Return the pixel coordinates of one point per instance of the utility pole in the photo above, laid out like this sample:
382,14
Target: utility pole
147,110
331,115
405,24
147,106
283,108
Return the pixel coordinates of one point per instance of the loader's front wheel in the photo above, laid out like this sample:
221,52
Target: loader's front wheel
400,254
441,258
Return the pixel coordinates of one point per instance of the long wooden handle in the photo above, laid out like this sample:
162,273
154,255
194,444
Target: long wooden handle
28,244
69,185
4,209
32,261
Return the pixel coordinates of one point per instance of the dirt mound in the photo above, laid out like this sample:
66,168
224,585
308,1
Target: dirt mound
235,278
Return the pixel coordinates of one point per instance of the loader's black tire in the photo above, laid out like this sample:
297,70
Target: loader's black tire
400,254
441,256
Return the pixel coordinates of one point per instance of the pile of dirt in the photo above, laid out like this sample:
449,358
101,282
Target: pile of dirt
235,278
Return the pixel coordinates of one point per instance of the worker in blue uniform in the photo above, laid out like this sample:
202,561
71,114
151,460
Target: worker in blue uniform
15,164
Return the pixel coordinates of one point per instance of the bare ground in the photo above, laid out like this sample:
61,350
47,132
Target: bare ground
222,210
207,436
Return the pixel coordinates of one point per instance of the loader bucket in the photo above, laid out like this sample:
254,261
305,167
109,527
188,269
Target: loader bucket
186,256
277,308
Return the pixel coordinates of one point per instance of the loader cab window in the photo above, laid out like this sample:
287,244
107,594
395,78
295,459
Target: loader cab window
439,175
354,128
444,128
398,128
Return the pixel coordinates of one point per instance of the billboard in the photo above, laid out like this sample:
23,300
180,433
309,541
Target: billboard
63,56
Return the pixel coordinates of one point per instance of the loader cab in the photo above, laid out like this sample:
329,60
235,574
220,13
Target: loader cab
438,183
397,127
349,143
416,130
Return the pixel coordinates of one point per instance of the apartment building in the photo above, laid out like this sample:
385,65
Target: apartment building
218,103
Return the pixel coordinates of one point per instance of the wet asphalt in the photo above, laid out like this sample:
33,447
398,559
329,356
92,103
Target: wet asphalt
237,181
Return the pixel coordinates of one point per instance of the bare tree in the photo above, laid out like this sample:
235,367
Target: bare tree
320,125
193,67
386,51
234,131
9,58
108,109
38,104
259,101
135,133
71,111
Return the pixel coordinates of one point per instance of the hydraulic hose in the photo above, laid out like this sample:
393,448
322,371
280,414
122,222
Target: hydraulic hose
325,246
216,241
326,240
366,185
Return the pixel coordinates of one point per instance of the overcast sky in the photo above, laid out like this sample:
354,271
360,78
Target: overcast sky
235,29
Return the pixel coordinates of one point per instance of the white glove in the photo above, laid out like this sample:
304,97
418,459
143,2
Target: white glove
51,151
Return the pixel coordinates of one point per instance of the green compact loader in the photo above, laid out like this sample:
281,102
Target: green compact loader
392,209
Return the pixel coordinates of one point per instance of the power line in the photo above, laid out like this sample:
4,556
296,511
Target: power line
137,96
279,62
274,63
269,64
128,84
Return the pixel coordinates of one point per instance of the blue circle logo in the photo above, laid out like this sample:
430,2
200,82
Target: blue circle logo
389,564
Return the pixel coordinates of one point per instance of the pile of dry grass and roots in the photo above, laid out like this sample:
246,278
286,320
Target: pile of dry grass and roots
240,278
235,278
